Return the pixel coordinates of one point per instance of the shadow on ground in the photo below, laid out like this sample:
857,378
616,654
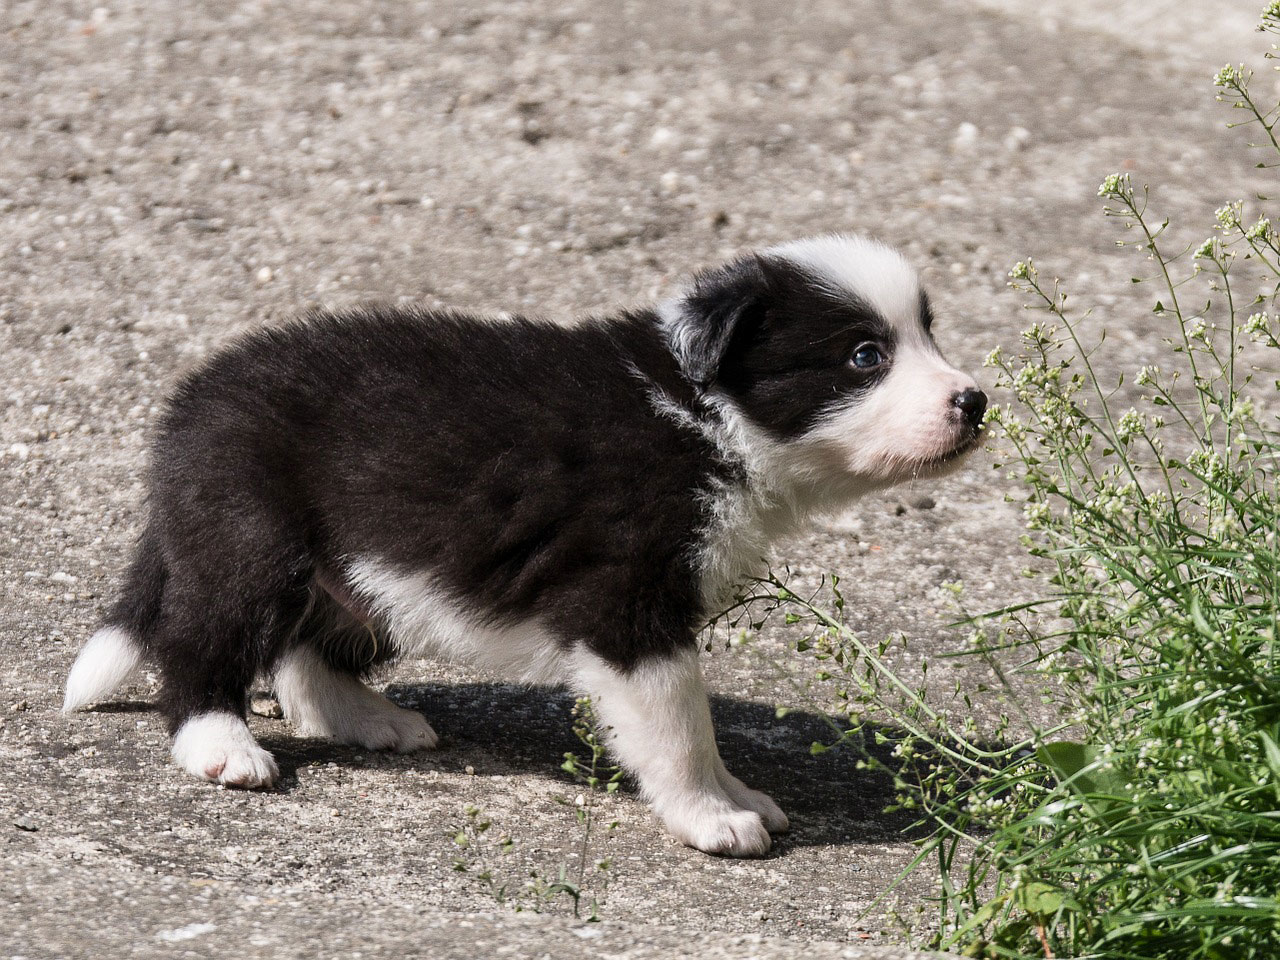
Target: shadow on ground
508,730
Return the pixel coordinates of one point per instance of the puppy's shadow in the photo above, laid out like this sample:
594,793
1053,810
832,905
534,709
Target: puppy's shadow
503,729
125,706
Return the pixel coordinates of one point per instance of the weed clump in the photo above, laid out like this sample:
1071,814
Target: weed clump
580,885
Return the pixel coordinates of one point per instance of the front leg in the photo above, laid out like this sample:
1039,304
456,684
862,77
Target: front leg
658,724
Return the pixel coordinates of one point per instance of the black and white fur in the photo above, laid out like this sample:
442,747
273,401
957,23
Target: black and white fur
563,503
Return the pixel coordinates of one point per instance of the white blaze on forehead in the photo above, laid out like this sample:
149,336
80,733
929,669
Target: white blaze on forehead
868,269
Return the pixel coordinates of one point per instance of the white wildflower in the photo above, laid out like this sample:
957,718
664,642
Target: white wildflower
1207,250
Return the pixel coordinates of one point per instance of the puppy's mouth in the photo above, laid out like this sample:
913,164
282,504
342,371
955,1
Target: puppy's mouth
956,453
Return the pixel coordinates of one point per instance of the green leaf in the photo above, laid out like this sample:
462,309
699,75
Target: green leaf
1198,618
978,919
1011,936
1076,764
1039,899
1272,752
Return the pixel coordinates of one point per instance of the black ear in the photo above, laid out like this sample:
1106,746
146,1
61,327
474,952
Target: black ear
702,322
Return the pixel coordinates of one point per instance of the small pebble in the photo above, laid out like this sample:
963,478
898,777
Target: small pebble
662,137
265,706
966,137
24,822
265,275
1016,138
924,503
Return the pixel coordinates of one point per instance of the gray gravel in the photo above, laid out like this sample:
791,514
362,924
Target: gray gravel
171,174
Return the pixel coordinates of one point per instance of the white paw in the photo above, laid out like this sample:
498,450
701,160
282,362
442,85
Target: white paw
710,824
371,721
775,821
219,747
387,727
323,702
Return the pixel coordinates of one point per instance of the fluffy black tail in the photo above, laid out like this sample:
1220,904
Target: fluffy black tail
116,650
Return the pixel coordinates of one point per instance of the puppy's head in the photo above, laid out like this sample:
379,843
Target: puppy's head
825,347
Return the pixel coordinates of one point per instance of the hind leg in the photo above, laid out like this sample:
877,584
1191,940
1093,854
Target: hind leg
208,648
323,701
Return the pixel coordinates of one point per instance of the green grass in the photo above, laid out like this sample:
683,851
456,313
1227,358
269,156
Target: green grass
1143,819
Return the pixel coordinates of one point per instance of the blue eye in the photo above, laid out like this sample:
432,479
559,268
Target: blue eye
868,355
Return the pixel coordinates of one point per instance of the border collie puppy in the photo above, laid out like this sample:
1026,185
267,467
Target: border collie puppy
562,503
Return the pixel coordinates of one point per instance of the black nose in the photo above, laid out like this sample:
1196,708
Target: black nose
973,404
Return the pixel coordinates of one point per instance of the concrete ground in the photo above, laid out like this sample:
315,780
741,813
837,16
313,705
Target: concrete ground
172,174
